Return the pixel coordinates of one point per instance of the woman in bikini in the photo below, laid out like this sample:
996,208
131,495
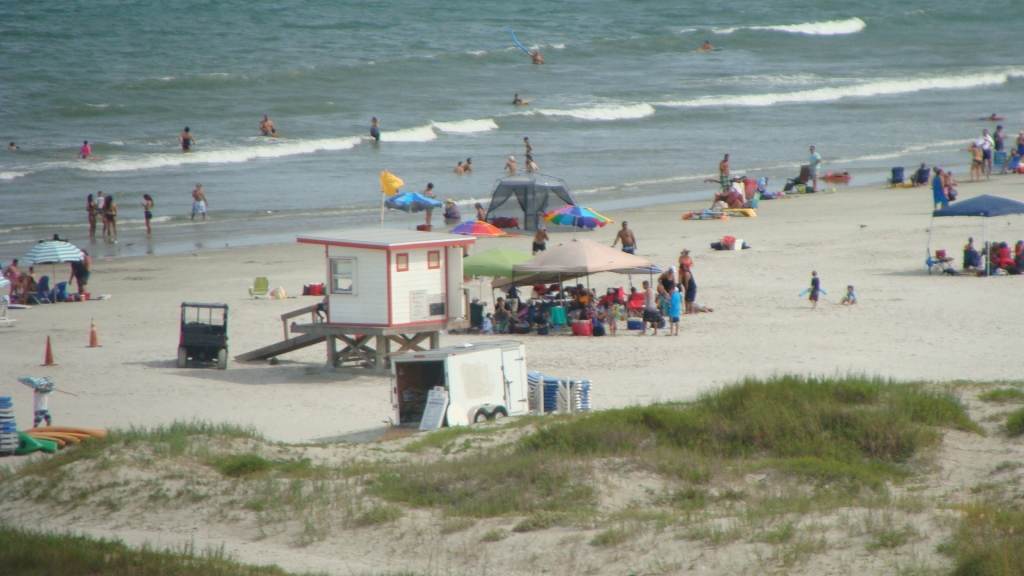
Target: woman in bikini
110,215
90,209
147,208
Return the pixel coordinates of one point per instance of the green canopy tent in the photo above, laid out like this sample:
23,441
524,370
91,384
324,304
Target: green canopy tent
496,262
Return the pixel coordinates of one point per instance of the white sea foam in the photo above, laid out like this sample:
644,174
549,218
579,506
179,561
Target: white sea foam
12,175
466,126
97,105
558,46
876,88
478,52
830,28
116,143
223,156
417,134
603,112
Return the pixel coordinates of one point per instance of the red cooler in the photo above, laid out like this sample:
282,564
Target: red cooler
582,328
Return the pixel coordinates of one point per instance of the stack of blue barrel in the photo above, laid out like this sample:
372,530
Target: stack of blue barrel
580,393
8,427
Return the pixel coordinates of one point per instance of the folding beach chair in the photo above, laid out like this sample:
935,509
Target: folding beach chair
940,263
4,319
43,295
260,288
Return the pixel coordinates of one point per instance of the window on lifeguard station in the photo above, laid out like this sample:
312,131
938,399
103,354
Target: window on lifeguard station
343,276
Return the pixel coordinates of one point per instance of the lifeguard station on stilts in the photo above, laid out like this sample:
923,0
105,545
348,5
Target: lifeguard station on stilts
386,292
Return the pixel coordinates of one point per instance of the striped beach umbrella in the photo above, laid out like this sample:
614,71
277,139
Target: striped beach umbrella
578,216
54,252
4,282
478,228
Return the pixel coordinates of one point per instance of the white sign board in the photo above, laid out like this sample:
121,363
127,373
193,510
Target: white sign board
418,305
437,404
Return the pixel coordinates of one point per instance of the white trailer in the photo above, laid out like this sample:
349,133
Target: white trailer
483,380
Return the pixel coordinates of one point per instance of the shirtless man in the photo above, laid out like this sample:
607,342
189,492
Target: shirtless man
86,151
481,214
267,127
511,166
531,166
536,58
186,140
529,147
460,169
540,240
468,166
12,147
706,47
516,99
627,238
198,202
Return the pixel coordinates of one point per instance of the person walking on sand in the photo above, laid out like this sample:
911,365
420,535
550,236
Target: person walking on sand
939,198
375,129
147,211
110,215
429,193
815,290
267,127
511,166
650,310
536,58
91,212
627,238
80,272
675,307
814,163
540,240
85,151
198,202
186,140
529,146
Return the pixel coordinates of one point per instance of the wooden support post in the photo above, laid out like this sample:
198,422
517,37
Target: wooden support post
332,351
435,340
378,354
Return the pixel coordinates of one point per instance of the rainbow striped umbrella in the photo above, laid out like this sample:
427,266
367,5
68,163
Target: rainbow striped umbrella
477,228
578,216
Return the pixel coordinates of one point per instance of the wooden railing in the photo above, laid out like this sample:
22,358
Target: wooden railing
311,310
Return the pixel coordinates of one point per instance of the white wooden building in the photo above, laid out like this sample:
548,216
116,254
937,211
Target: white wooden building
392,278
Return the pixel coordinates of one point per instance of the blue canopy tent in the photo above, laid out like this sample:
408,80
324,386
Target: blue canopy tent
985,206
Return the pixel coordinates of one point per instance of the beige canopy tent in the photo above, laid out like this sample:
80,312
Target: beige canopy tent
580,257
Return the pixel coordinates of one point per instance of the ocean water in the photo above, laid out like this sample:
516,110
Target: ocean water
626,111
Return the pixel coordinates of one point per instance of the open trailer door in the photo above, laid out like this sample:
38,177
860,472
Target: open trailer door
513,364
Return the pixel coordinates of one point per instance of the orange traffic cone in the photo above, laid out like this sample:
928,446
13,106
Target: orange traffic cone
49,354
94,338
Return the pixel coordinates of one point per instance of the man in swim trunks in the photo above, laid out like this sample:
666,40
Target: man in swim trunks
814,162
198,202
468,166
511,166
706,47
536,58
375,129
267,127
86,151
186,140
627,238
529,147
977,161
650,310
540,240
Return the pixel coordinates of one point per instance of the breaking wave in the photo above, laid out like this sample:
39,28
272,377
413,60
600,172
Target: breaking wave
466,126
417,134
602,112
830,28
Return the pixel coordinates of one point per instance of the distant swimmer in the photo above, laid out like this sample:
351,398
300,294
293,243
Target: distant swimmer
267,127
519,101
468,166
186,140
460,169
705,47
994,117
536,57
375,129
12,147
86,151
511,166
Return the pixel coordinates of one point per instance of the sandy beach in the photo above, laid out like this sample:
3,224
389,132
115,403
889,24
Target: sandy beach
909,325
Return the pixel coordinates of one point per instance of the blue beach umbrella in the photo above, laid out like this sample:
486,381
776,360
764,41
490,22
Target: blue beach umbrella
412,202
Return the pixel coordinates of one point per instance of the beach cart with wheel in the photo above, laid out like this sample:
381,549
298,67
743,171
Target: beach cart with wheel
204,334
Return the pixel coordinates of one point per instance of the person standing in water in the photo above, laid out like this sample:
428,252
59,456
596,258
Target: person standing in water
147,211
100,203
110,216
85,151
198,202
186,140
91,211
529,146
511,166
536,58
375,129
705,47
267,127
468,166
531,166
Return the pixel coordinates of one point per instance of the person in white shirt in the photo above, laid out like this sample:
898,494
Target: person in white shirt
650,310
815,163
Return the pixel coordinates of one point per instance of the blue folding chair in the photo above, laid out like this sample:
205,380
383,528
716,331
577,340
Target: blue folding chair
43,294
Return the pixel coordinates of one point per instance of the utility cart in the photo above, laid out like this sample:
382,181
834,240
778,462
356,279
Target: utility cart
204,334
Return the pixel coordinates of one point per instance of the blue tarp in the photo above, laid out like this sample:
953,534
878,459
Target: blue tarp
985,206
412,202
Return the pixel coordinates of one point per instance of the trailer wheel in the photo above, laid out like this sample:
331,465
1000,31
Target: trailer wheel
498,413
182,356
222,359
481,416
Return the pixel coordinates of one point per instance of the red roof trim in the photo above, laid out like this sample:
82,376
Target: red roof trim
366,246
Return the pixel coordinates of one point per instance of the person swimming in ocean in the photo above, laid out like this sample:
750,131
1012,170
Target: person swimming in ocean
705,47
535,56
85,151
375,129
267,127
12,147
186,140
515,100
